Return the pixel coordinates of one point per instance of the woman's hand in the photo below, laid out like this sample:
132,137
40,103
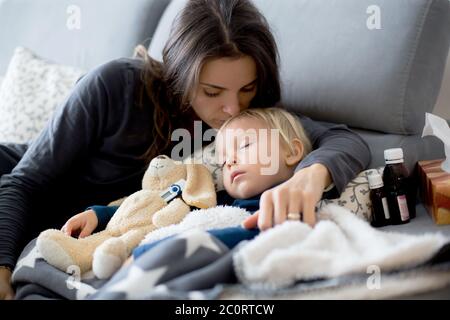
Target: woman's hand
6,290
82,224
299,194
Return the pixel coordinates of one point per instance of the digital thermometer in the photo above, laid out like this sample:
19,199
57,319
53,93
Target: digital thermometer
173,191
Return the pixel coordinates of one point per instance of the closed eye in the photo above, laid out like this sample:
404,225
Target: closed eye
211,94
248,89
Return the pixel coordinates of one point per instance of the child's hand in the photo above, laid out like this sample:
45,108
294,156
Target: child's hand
82,224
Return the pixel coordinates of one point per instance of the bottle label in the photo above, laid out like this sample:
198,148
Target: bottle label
403,207
386,208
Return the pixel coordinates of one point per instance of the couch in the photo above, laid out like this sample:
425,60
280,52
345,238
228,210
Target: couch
335,66
375,65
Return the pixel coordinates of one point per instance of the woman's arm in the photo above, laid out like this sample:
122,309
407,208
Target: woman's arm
6,291
59,148
64,140
344,153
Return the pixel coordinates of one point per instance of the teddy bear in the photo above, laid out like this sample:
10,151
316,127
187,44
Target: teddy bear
142,212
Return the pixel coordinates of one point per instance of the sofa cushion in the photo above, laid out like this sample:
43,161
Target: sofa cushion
414,147
341,71
32,89
162,31
81,33
335,68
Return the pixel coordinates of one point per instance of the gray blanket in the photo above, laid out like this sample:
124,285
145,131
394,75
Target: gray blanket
207,274
196,265
179,268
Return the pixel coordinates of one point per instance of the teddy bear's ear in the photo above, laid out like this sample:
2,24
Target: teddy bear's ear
199,190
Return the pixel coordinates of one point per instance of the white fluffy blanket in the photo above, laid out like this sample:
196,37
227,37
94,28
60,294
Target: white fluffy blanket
203,219
340,244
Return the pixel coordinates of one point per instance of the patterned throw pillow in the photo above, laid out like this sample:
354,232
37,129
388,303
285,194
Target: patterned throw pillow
355,196
31,90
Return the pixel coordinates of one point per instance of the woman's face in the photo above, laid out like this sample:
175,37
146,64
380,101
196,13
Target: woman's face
226,87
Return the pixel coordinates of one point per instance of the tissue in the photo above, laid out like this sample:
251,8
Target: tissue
438,127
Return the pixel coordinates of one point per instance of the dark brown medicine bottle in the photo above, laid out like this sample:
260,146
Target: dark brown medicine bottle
395,177
378,198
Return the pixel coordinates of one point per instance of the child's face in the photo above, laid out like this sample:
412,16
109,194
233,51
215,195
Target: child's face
252,156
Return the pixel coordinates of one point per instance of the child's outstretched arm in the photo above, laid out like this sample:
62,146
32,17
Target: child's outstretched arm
81,225
84,223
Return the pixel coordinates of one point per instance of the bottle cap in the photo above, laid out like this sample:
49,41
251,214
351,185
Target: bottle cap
393,155
375,181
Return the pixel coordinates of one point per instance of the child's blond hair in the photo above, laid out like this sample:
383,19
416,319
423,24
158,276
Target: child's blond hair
277,118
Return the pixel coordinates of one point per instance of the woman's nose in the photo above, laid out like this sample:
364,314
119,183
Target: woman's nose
232,105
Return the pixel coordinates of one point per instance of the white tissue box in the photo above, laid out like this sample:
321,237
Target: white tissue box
435,190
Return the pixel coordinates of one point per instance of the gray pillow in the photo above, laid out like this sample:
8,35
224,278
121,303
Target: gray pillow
339,70
79,33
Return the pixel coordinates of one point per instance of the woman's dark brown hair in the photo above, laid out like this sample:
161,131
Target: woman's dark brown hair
205,30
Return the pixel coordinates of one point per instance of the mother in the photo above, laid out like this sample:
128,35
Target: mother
220,58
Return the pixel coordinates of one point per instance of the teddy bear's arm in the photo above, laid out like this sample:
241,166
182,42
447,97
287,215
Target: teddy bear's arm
173,213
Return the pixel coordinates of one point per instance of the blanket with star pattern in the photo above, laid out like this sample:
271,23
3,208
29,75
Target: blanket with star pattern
342,257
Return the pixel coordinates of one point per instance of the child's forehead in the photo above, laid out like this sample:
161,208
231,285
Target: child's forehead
239,129
242,125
